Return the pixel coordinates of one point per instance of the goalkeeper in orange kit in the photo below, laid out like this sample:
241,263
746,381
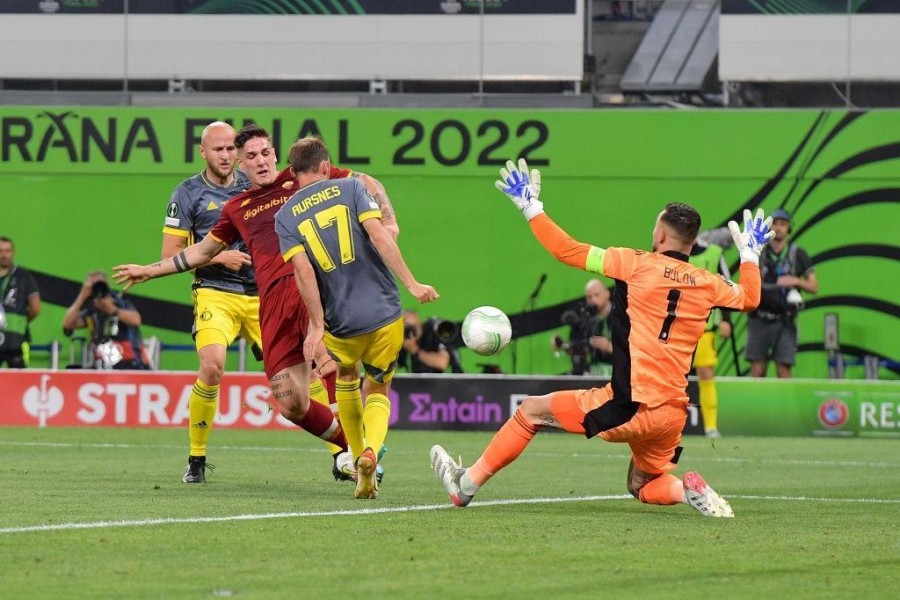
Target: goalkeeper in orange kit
660,307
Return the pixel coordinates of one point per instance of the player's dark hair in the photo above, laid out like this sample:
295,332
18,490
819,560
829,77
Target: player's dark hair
247,133
3,238
306,154
683,219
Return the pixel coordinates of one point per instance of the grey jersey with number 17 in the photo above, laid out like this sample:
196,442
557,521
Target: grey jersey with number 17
324,219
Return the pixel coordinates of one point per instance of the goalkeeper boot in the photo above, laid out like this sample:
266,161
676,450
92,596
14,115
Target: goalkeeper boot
366,480
196,470
449,474
342,468
703,498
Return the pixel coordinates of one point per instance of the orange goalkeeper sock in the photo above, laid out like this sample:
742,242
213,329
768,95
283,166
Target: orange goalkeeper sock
665,490
505,447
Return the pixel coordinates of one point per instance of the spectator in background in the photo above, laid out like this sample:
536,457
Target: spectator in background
113,323
785,269
20,303
589,345
424,348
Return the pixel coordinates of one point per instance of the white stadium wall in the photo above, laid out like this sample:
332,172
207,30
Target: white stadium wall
859,47
294,47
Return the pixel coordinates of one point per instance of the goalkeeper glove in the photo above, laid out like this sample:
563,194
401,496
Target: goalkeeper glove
521,188
753,239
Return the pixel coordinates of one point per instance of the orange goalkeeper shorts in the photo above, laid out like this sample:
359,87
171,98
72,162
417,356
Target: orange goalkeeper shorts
653,434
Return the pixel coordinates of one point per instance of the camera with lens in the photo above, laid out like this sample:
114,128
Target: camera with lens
440,330
99,290
581,324
437,334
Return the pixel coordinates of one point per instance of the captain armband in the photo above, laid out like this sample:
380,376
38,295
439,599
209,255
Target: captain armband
594,261
181,263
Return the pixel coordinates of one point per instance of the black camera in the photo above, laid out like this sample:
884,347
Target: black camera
581,324
446,331
99,290
435,330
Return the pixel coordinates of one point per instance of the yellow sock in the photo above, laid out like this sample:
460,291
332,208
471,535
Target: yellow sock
202,408
318,393
709,403
349,401
375,416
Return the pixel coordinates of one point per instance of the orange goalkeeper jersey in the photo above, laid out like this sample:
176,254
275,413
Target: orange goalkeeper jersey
660,307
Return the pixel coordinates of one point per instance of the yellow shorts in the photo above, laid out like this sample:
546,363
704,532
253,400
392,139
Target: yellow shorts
706,356
377,350
219,317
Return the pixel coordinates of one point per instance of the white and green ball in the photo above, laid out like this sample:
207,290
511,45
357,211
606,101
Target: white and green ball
486,330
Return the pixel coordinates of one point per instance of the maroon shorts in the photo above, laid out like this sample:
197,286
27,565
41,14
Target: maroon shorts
283,321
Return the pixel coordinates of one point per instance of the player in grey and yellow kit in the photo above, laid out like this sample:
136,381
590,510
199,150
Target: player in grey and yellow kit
226,299
342,254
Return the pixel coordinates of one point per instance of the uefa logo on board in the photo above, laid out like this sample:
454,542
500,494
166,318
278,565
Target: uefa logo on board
833,413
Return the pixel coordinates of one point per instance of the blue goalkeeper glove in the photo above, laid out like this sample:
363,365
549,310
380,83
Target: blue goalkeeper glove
753,239
521,187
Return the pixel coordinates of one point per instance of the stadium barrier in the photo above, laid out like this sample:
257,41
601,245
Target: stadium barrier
800,407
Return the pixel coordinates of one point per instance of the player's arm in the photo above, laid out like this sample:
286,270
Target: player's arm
379,194
305,277
750,243
563,247
390,253
189,258
172,244
523,188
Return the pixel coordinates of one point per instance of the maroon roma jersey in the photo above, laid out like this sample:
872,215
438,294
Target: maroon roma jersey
250,216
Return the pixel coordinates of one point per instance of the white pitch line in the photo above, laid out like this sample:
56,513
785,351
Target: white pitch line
298,515
395,509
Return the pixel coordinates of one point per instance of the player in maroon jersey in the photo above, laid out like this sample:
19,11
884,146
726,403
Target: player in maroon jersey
283,317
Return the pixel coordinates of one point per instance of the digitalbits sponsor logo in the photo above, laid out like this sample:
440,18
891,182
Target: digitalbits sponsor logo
43,401
833,413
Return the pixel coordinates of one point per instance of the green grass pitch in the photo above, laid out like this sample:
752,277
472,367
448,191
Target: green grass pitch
101,513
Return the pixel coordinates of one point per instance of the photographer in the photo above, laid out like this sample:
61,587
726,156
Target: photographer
427,346
589,346
785,269
112,321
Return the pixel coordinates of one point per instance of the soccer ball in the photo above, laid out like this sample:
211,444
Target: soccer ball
486,330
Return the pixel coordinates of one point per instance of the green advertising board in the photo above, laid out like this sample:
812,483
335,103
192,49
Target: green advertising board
800,408
87,187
